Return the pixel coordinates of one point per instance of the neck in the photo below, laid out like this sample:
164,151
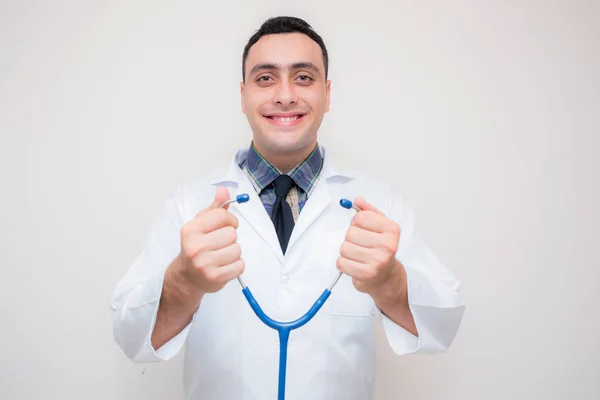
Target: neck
284,162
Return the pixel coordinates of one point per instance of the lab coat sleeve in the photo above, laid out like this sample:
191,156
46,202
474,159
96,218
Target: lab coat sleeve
136,297
433,292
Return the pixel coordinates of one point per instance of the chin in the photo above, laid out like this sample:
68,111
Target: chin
283,142
290,146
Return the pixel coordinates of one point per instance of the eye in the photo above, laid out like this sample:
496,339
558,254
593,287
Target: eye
264,78
304,78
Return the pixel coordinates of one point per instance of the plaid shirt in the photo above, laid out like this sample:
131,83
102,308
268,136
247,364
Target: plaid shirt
262,173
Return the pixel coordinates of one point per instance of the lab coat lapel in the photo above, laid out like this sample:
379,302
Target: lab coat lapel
254,212
320,199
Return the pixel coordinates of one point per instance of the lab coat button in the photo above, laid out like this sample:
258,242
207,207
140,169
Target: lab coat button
285,278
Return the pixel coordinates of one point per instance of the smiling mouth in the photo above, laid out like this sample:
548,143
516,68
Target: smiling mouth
285,120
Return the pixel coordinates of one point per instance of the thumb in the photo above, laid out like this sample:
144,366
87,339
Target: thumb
221,195
361,203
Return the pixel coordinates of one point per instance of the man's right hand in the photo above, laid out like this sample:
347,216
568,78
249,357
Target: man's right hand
209,258
210,254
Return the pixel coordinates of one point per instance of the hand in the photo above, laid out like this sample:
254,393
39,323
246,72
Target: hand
210,254
368,254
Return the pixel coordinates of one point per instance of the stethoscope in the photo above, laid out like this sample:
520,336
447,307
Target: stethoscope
284,328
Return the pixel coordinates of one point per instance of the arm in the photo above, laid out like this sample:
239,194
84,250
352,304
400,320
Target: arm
416,296
432,292
155,303
392,299
136,298
177,305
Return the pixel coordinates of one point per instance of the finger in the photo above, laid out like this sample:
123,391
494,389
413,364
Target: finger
352,268
370,221
226,255
214,240
363,237
208,262
361,203
231,271
356,253
211,221
221,196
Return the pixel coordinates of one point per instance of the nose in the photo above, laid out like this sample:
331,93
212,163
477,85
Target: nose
285,94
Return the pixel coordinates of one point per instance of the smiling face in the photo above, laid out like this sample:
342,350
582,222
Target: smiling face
285,95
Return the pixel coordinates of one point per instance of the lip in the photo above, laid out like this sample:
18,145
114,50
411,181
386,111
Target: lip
285,119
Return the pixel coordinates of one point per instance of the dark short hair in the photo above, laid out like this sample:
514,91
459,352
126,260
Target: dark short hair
285,25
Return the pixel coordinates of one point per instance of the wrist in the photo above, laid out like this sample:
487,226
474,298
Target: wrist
181,284
393,292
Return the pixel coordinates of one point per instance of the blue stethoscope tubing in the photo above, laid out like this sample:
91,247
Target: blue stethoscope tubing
284,328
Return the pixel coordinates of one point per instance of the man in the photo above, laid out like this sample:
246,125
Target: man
288,243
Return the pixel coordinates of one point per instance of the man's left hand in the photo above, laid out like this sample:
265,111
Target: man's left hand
368,257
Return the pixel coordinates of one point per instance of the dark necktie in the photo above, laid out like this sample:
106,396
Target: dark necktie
282,216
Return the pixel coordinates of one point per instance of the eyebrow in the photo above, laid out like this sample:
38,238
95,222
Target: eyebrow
298,65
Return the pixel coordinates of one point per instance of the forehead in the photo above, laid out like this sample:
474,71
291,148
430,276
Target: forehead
284,49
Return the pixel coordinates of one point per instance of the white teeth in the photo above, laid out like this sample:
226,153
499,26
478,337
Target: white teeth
286,119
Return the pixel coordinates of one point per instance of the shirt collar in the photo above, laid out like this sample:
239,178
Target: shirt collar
232,174
264,173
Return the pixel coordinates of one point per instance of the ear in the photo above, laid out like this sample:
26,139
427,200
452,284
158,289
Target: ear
242,92
328,89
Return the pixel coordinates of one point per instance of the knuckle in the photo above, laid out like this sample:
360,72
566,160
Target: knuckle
349,233
211,274
344,248
370,273
201,248
359,218
185,230
392,246
241,266
231,233
199,266
237,250
381,257
188,252
339,264
202,264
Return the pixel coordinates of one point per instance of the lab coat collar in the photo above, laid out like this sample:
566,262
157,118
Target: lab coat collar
254,212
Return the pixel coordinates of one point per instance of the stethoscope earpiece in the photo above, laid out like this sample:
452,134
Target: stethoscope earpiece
242,198
346,203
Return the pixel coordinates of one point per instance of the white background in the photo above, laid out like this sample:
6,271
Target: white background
484,114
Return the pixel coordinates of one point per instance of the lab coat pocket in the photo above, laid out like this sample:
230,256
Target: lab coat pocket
345,300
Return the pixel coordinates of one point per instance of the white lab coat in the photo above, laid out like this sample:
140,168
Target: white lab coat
229,353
